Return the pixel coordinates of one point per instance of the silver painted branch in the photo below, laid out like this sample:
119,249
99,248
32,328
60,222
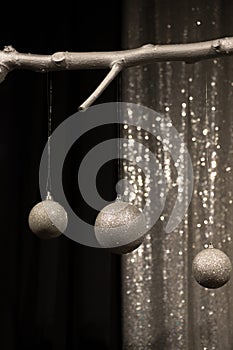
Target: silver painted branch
192,52
10,59
116,68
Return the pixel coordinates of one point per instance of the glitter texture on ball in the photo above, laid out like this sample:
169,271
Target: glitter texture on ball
48,219
211,268
120,227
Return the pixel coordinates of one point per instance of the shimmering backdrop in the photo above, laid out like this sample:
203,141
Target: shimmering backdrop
163,307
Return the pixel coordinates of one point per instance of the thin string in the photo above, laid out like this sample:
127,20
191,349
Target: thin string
206,117
211,227
118,131
50,102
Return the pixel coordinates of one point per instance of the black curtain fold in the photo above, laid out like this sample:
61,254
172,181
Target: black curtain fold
54,294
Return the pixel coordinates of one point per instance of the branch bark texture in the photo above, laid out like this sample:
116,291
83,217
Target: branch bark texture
10,59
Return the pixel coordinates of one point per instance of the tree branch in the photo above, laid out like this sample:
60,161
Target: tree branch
116,68
10,59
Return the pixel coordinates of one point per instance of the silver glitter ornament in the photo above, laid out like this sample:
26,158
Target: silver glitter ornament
211,268
48,219
120,227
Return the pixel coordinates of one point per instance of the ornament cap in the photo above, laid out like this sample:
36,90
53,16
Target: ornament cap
49,196
209,246
119,197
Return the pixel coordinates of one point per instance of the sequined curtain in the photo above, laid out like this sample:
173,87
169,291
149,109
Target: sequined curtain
163,307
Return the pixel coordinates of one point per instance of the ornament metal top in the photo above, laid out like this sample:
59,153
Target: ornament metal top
48,219
211,268
120,227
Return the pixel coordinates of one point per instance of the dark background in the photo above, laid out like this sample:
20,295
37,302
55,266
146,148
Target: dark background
54,294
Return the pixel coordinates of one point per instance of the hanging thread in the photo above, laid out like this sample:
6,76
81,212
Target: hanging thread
119,195
49,101
209,165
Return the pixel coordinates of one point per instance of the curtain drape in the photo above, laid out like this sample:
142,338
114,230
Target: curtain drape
163,306
54,294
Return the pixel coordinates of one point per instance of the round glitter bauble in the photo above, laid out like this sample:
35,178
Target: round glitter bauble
48,219
211,268
120,227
